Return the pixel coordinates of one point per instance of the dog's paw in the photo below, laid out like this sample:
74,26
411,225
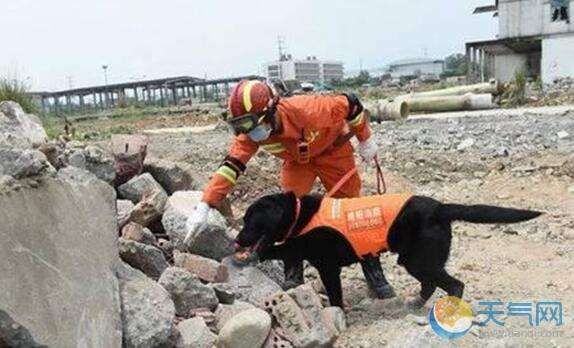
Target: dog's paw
383,293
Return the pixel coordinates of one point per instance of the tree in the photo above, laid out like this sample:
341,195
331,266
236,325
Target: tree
455,64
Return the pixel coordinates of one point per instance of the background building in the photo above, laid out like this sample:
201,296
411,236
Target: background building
306,70
533,36
416,67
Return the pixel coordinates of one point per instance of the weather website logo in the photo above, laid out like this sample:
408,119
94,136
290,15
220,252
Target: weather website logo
451,317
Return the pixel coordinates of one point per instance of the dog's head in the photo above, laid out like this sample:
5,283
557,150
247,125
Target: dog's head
266,222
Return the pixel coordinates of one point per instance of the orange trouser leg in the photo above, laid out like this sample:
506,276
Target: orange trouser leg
333,165
297,177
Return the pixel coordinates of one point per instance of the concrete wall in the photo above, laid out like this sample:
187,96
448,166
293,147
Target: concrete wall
518,18
557,58
415,69
505,66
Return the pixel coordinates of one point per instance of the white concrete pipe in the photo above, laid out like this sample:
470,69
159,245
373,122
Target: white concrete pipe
451,103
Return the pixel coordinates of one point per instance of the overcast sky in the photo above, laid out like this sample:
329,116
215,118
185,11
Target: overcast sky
48,41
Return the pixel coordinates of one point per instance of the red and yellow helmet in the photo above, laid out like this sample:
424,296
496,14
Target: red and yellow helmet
248,103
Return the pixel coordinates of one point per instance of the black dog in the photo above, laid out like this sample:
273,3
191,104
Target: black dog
421,235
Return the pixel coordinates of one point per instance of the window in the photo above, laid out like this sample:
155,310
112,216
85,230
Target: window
559,10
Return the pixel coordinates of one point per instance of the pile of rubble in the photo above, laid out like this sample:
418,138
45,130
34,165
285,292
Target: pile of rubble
92,269
560,92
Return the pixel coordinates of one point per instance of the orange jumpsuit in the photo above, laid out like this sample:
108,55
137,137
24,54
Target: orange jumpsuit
317,120
365,222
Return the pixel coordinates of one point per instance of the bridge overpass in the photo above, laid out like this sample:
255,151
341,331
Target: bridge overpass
157,92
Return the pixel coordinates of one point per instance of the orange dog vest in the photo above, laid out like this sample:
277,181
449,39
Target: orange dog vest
365,222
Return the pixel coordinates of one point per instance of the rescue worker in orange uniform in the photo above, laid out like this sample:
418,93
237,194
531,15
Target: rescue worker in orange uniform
308,133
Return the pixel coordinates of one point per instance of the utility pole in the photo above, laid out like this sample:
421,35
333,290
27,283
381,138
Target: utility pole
70,80
105,67
281,47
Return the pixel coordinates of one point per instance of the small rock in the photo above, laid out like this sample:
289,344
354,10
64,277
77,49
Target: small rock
248,329
206,269
135,188
571,189
213,241
465,144
225,292
194,333
417,319
224,312
99,163
562,135
23,163
149,209
172,176
187,291
146,308
334,319
165,245
124,208
138,233
250,283
146,258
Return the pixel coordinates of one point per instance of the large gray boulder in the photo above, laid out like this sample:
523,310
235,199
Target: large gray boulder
146,258
213,241
247,329
18,128
187,291
59,251
173,176
147,310
137,187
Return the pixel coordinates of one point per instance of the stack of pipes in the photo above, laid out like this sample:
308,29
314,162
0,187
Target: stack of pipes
471,97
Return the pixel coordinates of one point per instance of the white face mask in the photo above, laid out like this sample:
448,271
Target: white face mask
260,133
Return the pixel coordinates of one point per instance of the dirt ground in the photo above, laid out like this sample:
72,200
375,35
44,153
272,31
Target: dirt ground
521,161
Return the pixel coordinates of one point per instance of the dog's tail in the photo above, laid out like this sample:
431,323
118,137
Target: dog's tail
484,214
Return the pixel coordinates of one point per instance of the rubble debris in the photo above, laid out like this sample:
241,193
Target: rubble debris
22,163
99,163
172,176
73,174
194,333
247,329
147,309
276,340
149,209
18,129
187,291
137,187
250,283
213,241
124,208
465,144
290,319
310,302
224,312
205,269
138,233
129,153
334,319
148,259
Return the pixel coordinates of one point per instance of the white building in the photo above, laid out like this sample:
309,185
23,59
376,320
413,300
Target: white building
533,36
416,67
307,70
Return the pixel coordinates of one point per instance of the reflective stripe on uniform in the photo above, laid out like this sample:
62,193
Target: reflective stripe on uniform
356,121
247,95
227,173
274,147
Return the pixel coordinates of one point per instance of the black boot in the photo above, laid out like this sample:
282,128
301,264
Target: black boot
293,274
375,278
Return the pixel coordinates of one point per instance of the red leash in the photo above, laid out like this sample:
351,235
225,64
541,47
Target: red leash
381,184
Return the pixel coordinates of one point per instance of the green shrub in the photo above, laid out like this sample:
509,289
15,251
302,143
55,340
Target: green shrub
14,90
